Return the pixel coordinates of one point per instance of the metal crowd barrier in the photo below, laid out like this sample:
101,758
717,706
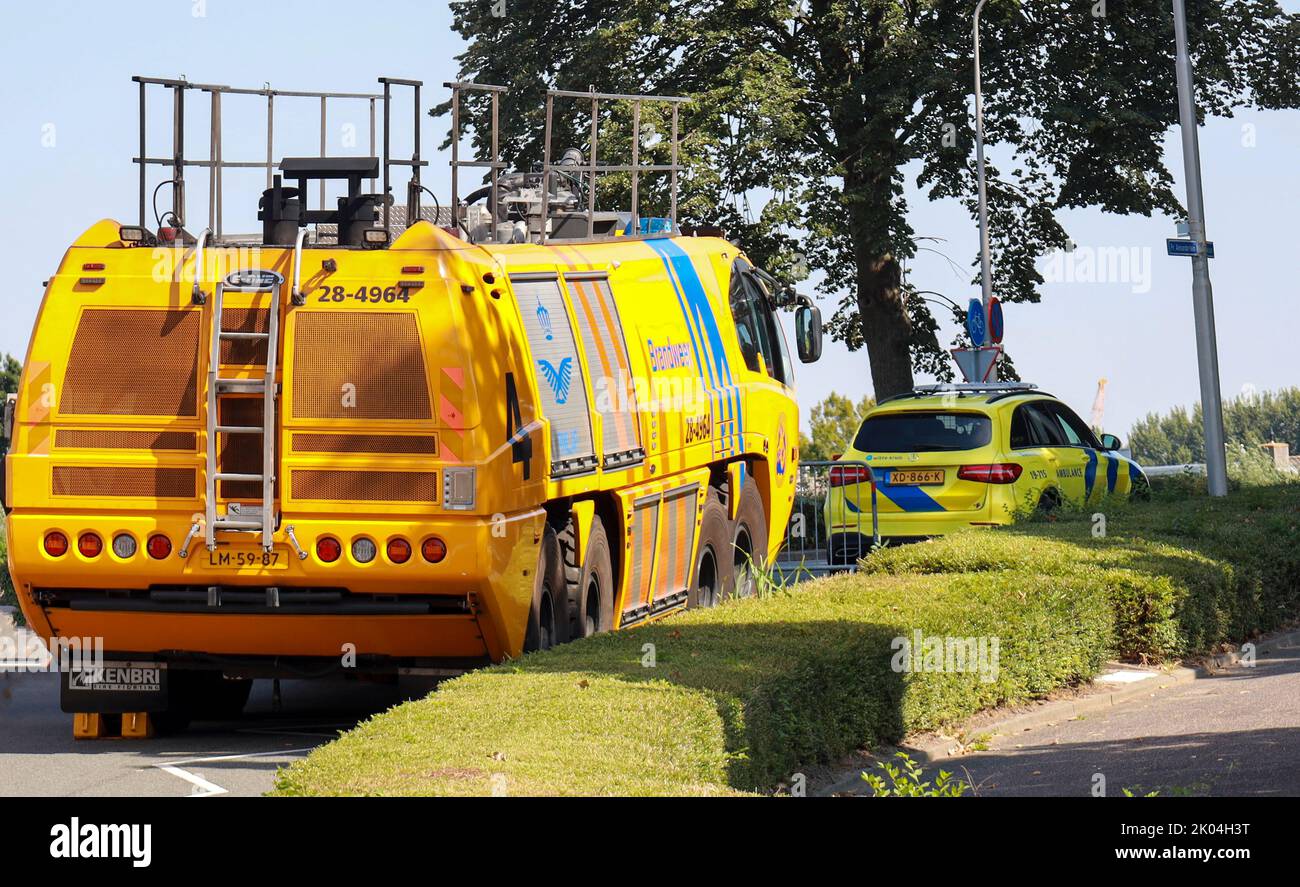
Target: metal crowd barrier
812,547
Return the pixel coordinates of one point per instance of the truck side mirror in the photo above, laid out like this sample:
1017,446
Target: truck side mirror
1110,442
808,331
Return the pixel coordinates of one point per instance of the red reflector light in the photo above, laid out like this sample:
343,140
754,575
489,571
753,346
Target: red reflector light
93,266
158,546
843,475
56,544
328,550
1002,473
90,545
399,551
412,269
433,549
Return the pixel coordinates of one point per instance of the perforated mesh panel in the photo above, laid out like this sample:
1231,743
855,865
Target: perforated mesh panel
366,443
244,352
376,354
133,362
366,486
181,441
163,483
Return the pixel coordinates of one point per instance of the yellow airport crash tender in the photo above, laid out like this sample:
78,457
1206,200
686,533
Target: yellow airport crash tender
356,446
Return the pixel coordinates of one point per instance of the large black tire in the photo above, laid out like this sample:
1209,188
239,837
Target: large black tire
548,618
712,573
748,542
590,582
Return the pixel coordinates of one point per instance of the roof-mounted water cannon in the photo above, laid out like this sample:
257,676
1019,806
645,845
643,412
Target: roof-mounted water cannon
356,215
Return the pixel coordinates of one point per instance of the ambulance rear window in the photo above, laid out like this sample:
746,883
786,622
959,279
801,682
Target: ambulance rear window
922,432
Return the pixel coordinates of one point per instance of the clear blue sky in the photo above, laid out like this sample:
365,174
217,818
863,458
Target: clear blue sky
66,71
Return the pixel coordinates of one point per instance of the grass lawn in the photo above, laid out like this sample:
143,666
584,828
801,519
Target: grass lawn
736,699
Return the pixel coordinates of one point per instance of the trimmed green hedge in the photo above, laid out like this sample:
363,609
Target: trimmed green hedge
740,697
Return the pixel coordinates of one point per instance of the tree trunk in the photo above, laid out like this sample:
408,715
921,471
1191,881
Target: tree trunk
886,328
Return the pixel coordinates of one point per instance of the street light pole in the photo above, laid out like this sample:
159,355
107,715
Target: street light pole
1207,349
986,267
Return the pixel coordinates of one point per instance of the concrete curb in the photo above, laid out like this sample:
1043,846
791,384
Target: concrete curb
930,751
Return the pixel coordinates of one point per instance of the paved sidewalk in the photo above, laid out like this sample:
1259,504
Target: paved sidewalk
1231,732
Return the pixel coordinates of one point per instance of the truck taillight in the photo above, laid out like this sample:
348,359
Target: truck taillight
90,545
843,475
159,547
998,473
458,489
433,549
56,544
399,551
328,549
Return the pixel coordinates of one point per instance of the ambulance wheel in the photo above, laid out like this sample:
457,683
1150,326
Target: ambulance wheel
548,624
748,542
713,562
1048,502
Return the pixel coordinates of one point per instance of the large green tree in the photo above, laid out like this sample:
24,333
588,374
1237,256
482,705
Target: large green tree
819,108
834,423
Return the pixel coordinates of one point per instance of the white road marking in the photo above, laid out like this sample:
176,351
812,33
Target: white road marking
204,788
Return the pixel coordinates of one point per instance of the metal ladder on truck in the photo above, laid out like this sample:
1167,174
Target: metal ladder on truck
263,520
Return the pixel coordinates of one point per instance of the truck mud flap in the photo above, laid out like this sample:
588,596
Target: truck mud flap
114,687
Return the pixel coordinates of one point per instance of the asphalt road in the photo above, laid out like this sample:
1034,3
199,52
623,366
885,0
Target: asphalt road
1236,733
38,755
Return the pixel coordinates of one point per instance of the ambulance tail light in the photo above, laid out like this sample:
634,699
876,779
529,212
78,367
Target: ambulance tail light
999,473
845,475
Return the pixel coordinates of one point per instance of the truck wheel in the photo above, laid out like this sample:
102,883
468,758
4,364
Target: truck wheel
548,622
591,593
713,562
748,542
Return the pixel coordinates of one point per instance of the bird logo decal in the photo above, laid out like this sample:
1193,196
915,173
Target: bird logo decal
558,378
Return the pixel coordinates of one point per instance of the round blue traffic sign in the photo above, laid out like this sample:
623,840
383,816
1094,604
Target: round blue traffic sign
995,322
975,322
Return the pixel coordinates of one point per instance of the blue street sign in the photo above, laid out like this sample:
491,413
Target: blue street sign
996,326
975,322
1178,246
